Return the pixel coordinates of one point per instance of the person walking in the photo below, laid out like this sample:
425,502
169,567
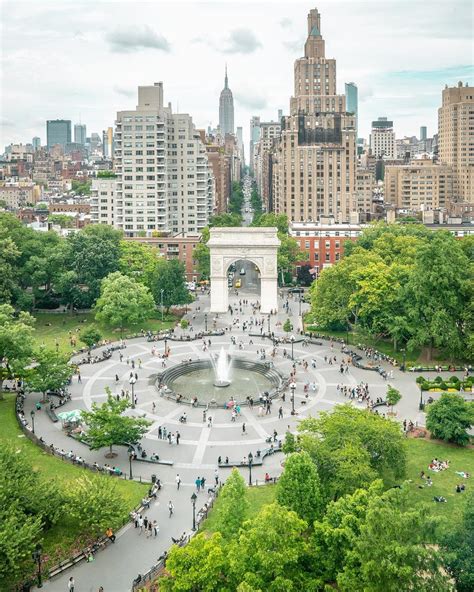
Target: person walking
216,476
71,584
203,482
110,535
170,507
155,528
280,413
198,484
178,481
140,523
178,436
244,430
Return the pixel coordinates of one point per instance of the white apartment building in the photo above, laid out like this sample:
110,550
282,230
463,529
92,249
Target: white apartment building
164,182
382,139
102,200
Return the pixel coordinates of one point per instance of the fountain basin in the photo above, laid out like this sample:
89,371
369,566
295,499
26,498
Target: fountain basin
197,379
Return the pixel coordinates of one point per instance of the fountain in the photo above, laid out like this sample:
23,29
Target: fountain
222,365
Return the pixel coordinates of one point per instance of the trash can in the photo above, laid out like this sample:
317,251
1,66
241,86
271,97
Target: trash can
153,479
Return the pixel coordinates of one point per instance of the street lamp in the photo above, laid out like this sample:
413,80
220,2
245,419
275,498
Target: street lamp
130,458
269,314
205,322
421,405
250,467
37,558
193,501
166,345
32,412
404,352
292,339
132,382
161,291
293,388
300,303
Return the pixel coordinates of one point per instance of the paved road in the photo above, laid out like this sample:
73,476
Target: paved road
119,564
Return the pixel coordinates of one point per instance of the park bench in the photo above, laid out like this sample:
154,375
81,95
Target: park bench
52,415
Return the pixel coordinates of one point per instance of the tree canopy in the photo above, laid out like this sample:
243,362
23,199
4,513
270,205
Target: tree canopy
450,417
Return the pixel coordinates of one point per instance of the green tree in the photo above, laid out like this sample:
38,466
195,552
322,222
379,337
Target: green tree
337,531
290,443
299,488
393,396
16,343
51,372
439,289
233,505
335,440
202,256
287,326
62,220
271,551
280,221
170,277
458,545
9,254
200,565
81,187
225,220
138,260
90,336
123,301
107,426
392,552
449,418
184,324
96,504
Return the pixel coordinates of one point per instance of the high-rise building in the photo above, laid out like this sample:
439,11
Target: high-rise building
58,131
254,138
164,182
352,101
420,185
382,139
240,144
36,143
226,109
456,136
80,134
314,161
423,133
269,133
108,142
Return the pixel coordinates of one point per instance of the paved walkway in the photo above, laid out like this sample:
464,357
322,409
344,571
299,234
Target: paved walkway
200,446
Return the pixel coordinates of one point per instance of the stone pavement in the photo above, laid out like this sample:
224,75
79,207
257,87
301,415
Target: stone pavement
200,446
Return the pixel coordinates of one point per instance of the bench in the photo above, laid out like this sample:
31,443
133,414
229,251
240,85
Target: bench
52,415
155,462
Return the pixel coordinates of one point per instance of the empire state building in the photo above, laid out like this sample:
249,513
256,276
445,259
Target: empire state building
226,109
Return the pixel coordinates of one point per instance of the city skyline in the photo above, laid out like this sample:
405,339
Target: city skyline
393,67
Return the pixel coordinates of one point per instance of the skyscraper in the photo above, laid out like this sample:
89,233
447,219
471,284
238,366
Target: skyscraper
423,133
36,143
456,136
352,101
254,138
314,160
164,182
80,134
58,131
382,139
226,109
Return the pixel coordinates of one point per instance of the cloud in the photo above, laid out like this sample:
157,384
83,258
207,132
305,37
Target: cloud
285,22
124,40
296,45
251,100
242,41
126,92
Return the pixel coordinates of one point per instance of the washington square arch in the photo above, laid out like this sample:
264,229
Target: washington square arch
257,245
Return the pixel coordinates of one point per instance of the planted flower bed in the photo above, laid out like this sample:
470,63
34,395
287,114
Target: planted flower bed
453,383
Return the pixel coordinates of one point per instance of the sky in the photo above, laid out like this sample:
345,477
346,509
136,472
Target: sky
84,59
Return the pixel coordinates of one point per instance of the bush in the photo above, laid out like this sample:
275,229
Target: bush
438,379
450,418
184,323
420,380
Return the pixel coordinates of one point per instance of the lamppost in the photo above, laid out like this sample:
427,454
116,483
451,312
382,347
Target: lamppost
300,303
421,405
161,292
404,352
205,322
193,501
166,345
132,382
269,314
130,458
292,339
37,558
32,412
293,388
250,467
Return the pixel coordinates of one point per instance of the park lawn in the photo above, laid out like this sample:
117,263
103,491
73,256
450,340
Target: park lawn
420,452
50,327
66,536
257,497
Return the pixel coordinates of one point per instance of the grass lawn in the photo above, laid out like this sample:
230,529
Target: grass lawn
420,453
257,497
66,536
50,327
